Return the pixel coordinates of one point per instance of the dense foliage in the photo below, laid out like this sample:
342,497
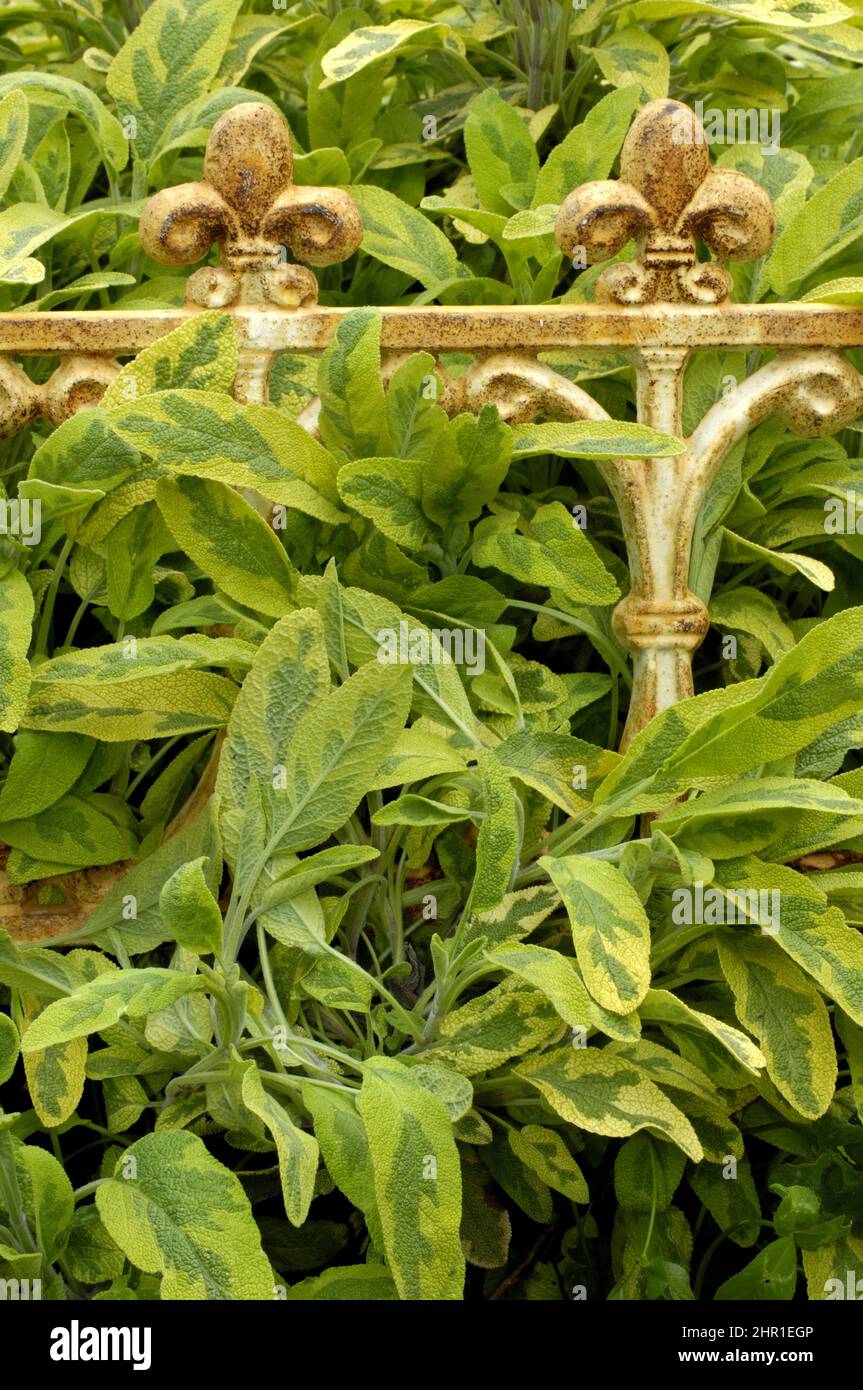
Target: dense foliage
387,992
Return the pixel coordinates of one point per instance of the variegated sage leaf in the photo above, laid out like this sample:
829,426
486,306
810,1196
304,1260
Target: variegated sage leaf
9,1047
96,1005
507,1021
55,1075
170,58
200,354
605,1094
16,617
610,929
297,1151
417,1177
230,541
175,1210
784,1010
553,553
811,930
544,1151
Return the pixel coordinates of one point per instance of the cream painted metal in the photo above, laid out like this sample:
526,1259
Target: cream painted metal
658,309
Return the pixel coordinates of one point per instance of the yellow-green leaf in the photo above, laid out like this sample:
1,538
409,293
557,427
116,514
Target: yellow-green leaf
610,929
777,1003
16,617
176,1211
297,1151
417,1178
605,1094
55,1075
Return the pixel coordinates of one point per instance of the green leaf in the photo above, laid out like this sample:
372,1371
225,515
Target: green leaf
74,832
168,60
401,237
14,115
548,762
378,42
73,96
555,553
54,1075
741,550
153,707
200,355
45,1196
317,868
610,929
544,1151
230,541
500,152
416,422
486,1228
16,617
826,225
173,1209
131,551
599,439
206,434
339,745
730,820
137,688
471,462
724,733
31,968
732,1201
605,1094
647,1173
345,1148
661,1006
811,931
80,286
125,1102
772,1275
9,1047
289,677
297,1151
417,1178
91,1255
190,912
776,1002
518,1180
848,290
559,979
366,621
389,492
346,1283
342,114
747,610
353,414
85,452
43,768
99,1003
507,1021
633,55
499,841
139,889
589,150
828,1268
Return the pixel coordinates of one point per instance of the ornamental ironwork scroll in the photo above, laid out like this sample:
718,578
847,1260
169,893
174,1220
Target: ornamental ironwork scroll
658,308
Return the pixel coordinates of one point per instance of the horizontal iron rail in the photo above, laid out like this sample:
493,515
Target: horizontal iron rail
448,329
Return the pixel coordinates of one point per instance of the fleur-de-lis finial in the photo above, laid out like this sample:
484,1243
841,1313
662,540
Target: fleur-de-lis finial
247,202
667,197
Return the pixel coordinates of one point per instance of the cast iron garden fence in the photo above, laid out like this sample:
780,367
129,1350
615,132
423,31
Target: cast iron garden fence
658,309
